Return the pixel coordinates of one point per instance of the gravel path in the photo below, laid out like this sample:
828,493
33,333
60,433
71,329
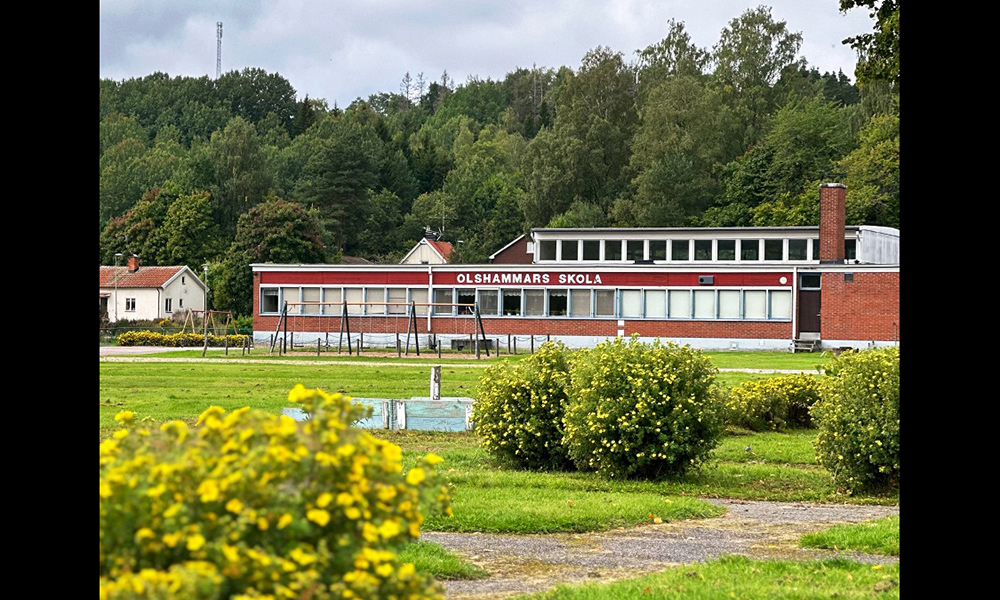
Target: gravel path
532,563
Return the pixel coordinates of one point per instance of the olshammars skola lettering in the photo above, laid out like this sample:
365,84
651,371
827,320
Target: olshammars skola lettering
529,278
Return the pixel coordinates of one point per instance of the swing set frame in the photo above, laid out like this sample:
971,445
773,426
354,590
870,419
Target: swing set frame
411,315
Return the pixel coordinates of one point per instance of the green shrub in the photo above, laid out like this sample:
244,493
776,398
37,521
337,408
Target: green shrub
239,324
772,403
255,504
641,410
858,419
519,409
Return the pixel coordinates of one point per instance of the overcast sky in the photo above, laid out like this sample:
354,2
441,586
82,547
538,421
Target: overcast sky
340,51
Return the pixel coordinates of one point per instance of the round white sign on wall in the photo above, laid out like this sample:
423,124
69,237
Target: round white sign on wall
783,280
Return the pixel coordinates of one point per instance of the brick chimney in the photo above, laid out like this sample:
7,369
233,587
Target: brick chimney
133,264
832,221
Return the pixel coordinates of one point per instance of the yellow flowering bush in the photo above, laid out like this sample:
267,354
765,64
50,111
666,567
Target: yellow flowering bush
519,409
858,419
641,410
249,504
772,403
176,340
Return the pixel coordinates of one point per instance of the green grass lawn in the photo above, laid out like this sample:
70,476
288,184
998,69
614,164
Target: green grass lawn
490,497
739,577
878,536
176,390
723,360
433,558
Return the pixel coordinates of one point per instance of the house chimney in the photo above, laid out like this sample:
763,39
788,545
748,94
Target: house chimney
133,264
832,222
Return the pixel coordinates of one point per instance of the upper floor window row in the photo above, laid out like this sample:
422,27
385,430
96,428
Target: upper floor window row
686,250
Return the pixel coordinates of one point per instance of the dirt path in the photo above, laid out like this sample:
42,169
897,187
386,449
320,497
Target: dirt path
533,563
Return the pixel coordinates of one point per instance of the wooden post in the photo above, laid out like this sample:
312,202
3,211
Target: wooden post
437,343
399,347
515,345
481,331
317,345
436,383
532,343
204,322
347,320
227,341
361,341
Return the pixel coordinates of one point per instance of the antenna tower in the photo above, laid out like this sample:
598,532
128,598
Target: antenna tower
218,49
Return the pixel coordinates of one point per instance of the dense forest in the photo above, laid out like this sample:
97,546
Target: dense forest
239,170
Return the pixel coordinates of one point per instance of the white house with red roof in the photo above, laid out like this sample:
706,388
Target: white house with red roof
133,292
428,251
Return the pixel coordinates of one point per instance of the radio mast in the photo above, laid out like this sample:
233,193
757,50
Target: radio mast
218,49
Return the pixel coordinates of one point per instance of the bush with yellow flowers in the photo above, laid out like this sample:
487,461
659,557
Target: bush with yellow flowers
176,340
772,403
519,409
858,420
249,504
640,410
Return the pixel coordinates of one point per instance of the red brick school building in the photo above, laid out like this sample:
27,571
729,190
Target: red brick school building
748,288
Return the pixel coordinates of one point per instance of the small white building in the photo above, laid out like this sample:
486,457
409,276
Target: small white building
133,292
428,251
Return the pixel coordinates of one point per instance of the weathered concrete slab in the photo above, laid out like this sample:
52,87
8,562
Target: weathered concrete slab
418,413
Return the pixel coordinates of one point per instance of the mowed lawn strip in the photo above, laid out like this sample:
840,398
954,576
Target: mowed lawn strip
877,536
490,497
740,577
309,355
433,558
722,360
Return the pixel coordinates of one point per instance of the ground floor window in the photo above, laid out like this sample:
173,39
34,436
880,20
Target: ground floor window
396,297
466,296
354,298
129,304
511,302
167,305
489,303
604,303
631,303
443,297
558,303
311,294
534,303
418,296
580,301
268,300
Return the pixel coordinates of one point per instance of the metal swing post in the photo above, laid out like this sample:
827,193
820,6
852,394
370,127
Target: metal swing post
479,321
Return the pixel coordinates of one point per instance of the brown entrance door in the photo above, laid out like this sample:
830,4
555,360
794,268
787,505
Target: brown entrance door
809,305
